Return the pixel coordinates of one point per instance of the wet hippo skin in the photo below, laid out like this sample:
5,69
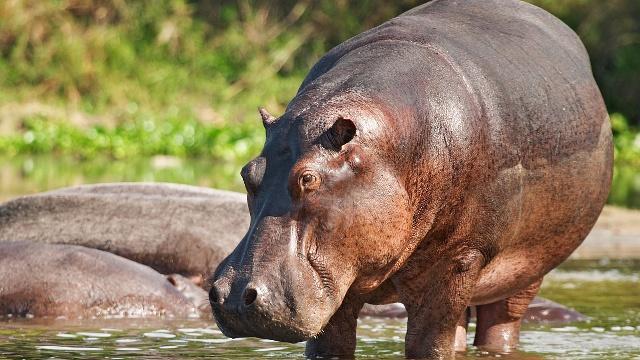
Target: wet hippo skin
449,157
172,228
44,280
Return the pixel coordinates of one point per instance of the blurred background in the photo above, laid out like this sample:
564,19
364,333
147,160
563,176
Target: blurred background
167,90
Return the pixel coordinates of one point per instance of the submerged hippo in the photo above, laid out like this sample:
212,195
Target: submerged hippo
44,280
172,228
540,311
449,157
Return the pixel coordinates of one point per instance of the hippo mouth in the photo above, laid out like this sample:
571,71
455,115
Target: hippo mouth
287,315
258,324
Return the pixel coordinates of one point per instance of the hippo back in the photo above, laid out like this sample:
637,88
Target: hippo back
521,78
172,228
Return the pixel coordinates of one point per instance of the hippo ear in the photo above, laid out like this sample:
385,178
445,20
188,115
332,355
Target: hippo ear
267,119
341,132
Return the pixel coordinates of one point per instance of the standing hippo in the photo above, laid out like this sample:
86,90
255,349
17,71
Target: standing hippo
45,280
172,228
449,157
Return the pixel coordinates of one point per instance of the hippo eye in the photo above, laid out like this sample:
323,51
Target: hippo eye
309,180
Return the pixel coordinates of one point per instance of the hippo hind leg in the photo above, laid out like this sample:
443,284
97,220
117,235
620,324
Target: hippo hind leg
498,323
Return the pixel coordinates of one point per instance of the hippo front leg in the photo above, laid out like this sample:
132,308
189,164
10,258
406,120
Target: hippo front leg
435,309
338,338
461,331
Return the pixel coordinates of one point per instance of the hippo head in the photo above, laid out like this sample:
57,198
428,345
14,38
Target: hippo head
329,218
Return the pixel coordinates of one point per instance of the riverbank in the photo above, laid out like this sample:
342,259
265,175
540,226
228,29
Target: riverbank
616,235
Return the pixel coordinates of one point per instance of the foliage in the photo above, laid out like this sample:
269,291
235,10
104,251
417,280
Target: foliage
176,136
90,78
626,141
105,57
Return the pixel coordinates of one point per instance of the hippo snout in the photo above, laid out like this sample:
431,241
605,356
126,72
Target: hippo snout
255,308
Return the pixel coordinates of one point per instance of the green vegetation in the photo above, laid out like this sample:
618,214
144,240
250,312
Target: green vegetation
626,141
176,136
90,79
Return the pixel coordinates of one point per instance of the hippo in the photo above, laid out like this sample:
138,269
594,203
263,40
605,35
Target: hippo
69,281
450,157
172,228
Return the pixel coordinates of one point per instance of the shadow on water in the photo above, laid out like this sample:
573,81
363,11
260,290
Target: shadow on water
27,175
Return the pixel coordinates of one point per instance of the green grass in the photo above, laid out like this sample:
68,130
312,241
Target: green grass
140,137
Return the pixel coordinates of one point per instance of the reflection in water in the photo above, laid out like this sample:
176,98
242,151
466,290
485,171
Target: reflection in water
27,175
608,293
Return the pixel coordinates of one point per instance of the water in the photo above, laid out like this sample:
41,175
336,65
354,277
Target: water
29,174
607,292
26,175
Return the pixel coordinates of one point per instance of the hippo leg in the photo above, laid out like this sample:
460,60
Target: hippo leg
461,331
498,327
338,338
434,312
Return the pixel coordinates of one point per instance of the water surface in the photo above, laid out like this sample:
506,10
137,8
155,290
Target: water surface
608,292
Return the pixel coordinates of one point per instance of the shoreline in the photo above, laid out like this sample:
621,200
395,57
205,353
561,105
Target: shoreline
616,235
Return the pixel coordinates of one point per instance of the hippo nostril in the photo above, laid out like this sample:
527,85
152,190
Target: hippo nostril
249,296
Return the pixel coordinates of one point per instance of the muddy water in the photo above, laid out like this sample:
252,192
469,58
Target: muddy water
607,292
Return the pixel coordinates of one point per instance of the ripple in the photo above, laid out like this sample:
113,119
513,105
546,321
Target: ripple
211,341
127,340
276,348
67,348
159,335
66,335
94,334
